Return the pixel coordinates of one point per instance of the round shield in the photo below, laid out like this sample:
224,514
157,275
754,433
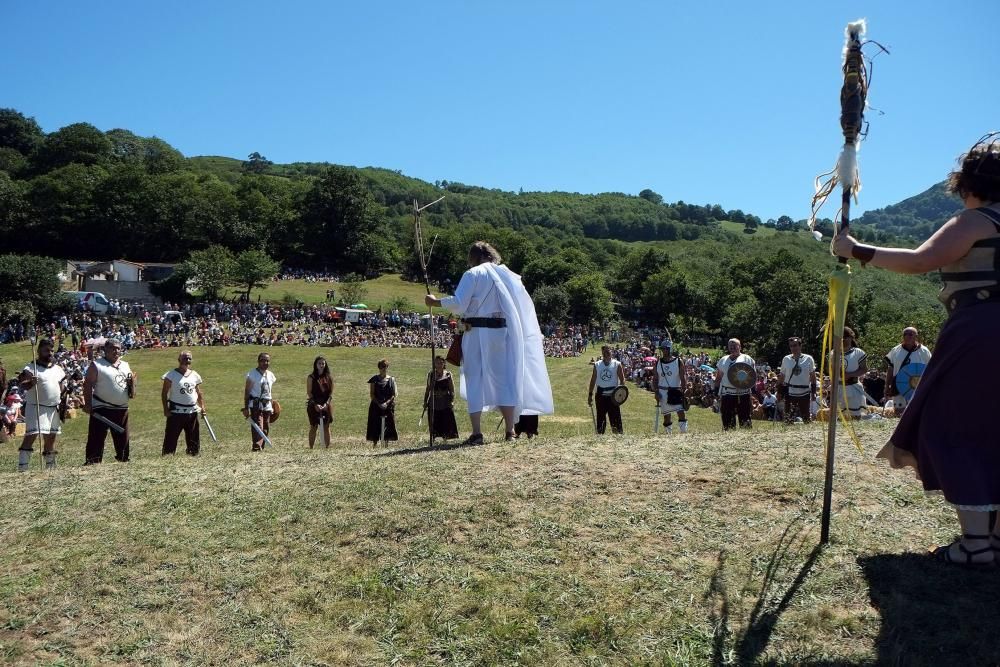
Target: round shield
908,378
276,407
741,375
620,394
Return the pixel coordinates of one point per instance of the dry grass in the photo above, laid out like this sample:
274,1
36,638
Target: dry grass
628,550
568,549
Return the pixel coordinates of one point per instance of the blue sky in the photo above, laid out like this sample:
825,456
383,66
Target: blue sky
730,103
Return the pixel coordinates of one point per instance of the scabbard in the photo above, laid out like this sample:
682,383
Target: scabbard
110,424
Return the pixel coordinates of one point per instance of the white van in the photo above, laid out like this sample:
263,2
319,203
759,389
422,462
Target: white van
95,302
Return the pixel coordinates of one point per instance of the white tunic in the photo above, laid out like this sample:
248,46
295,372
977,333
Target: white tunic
727,388
668,376
899,354
798,382
111,388
501,367
607,375
260,388
183,392
43,416
852,396
48,382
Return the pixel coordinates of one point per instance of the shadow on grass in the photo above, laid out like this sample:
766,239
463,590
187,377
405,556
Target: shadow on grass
443,447
771,600
932,613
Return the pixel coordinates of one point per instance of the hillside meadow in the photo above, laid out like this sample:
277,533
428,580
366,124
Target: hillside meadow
569,549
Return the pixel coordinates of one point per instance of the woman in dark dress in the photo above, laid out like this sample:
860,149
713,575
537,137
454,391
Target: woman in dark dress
954,449
382,410
319,390
441,415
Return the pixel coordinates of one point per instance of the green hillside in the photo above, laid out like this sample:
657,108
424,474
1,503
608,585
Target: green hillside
916,217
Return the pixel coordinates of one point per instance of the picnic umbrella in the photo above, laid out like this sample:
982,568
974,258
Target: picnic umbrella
359,305
705,367
649,359
95,342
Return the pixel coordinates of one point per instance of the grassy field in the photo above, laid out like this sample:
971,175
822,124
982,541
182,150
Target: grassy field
565,550
381,291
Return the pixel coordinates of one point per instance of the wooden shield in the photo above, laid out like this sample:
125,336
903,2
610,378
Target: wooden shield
741,375
620,394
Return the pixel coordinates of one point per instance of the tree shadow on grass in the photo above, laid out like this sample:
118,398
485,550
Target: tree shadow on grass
771,603
933,613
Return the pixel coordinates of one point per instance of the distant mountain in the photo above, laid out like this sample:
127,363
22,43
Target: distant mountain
917,217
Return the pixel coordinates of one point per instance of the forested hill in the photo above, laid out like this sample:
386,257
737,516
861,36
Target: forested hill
83,193
917,217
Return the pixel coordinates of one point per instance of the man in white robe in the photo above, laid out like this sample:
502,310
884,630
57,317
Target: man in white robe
503,365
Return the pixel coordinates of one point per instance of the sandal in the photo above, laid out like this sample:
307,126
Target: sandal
943,553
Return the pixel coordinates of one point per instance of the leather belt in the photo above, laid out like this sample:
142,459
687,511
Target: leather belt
851,381
486,322
972,296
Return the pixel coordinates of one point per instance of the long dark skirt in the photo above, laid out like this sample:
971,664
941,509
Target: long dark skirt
374,431
442,424
949,430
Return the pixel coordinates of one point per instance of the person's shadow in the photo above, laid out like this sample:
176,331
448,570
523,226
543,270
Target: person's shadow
933,613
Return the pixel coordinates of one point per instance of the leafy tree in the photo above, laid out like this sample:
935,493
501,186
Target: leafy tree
551,303
11,161
19,132
589,299
651,196
630,273
252,268
160,157
665,294
79,143
210,270
256,164
337,214
352,290
29,288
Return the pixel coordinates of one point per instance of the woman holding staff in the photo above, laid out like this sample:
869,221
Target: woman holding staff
959,458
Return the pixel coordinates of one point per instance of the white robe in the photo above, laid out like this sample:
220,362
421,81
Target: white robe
501,367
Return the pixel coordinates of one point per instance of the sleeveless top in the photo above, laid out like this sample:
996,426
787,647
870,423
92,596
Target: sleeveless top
111,388
322,387
978,271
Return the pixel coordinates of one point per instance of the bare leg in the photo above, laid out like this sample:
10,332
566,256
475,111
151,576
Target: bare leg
312,436
326,433
476,418
973,523
508,416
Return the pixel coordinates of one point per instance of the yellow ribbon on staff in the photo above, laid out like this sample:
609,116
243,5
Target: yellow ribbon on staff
836,316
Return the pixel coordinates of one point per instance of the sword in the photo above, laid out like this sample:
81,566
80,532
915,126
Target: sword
381,437
110,424
656,418
211,431
322,428
594,417
259,430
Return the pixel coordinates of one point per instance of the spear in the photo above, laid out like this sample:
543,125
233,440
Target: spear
425,258
853,96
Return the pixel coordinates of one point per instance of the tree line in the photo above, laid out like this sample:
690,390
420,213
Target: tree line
83,193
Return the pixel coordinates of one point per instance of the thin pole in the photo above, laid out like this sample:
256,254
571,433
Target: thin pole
834,402
418,234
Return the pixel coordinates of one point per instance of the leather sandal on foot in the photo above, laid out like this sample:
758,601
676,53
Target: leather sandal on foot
943,553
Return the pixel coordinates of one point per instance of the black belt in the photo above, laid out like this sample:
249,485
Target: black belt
800,386
851,381
486,322
972,296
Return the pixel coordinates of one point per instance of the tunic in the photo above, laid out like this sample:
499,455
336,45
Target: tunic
385,388
503,366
